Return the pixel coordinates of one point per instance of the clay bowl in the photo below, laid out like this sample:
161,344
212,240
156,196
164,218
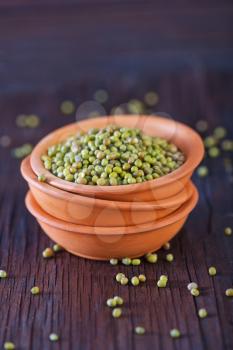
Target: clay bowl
90,211
181,135
103,243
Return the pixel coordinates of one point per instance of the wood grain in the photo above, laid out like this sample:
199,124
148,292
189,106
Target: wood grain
37,72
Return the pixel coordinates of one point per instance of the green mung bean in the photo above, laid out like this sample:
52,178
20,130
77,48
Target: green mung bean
202,313
212,271
192,285
228,231
195,292
210,141
67,107
8,345
35,290
161,283
220,132
48,253
3,274
175,333
57,248
139,330
21,120
229,292
135,106
112,156
119,276
126,261
142,278
169,257
41,178
22,151
167,246
135,281
163,278
227,145
136,262
117,110
214,152
101,96
202,171
151,98
32,121
117,312
119,300
113,261
111,302
27,121
5,141
53,337
201,125
124,281
151,258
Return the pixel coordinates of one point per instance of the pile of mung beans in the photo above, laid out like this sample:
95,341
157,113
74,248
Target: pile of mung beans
112,156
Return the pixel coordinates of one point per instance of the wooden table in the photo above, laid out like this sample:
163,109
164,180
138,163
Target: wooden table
53,51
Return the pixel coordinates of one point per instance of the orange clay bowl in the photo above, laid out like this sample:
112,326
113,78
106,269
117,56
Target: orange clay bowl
103,243
89,211
187,140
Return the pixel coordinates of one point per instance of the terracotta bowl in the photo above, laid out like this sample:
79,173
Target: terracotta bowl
181,135
103,243
82,210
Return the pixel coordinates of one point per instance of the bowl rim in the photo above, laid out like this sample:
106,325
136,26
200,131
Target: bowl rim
170,202
187,168
41,216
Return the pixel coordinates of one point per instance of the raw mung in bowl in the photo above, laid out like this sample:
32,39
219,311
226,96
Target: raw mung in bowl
112,156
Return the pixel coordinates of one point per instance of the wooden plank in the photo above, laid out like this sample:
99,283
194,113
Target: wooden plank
74,290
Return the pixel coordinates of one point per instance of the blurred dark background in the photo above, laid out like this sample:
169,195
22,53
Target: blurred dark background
47,44
67,49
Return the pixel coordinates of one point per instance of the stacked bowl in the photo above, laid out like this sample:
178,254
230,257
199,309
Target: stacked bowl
103,222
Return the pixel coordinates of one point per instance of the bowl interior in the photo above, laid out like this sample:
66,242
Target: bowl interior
184,137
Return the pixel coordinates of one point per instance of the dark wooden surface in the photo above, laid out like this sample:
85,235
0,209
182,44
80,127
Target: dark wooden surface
50,51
